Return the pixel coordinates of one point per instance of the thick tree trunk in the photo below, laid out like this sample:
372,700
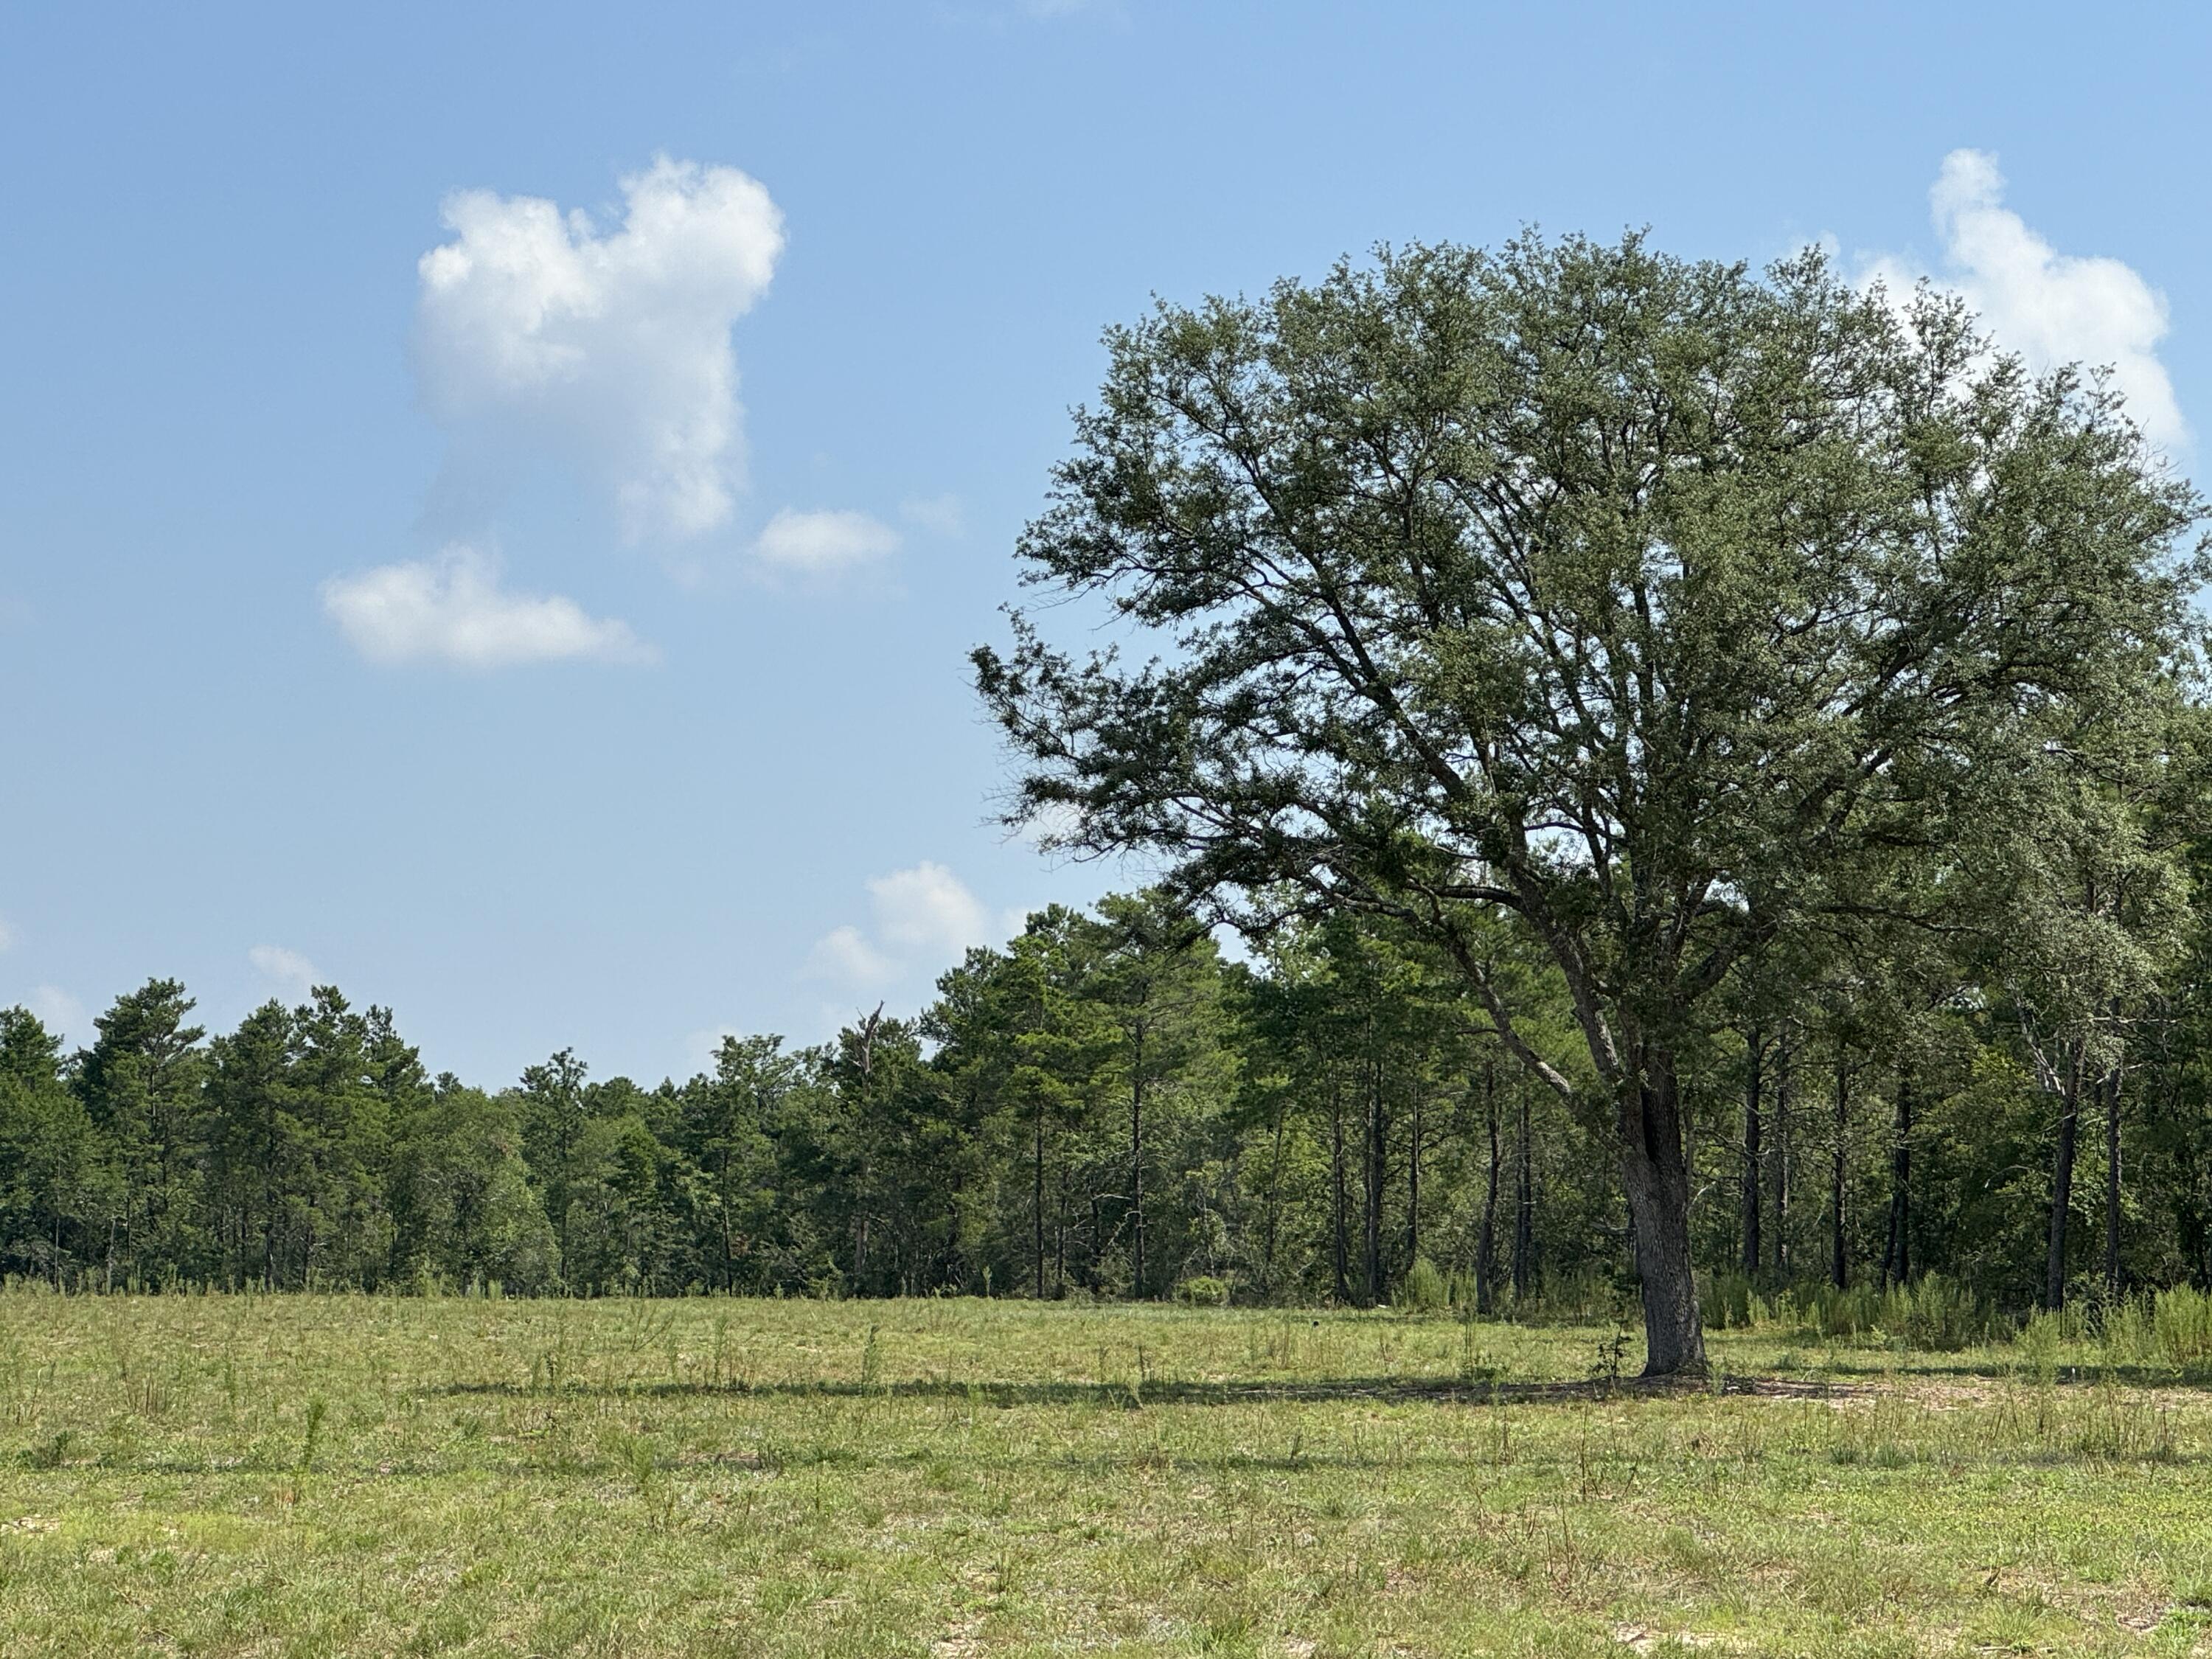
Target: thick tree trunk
2113,1183
2062,1178
1657,1178
1754,1053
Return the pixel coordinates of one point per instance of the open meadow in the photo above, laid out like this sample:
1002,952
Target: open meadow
316,1475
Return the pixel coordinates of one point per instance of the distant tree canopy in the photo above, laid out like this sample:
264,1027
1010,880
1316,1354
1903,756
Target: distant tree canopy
1640,626
1109,1107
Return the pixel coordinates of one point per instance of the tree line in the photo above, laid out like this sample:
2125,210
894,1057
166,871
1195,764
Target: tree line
1108,1106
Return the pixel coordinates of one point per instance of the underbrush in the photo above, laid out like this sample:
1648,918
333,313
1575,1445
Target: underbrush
1932,1313
2157,1330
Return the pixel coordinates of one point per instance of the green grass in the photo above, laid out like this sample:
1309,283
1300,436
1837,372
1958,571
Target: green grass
358,1475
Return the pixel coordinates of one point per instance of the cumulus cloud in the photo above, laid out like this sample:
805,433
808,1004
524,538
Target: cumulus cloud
287,973
61,1013
922,918
845,955
926,910
453,610
607,349
2051,308
827,544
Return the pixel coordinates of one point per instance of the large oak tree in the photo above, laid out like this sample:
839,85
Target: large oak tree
1649,606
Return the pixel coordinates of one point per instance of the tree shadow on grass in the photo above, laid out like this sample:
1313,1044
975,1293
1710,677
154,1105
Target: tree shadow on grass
1134,1395
1851,1376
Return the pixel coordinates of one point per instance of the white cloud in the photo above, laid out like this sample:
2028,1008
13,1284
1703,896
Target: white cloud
287,973
2051,308
823,544
453,610
61,1013
609,350
927,910
940,515
844,954
7,935
924,918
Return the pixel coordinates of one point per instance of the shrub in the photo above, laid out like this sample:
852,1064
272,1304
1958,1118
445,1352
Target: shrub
1204,1291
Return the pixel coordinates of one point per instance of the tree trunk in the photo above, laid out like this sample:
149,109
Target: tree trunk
1754,1053
1038,1201
2062,1178
1784,1079
2113,1183
1524,1207
1413,1186
1137,1164
1373,1160
1839,1266
1274,1203
1897,1255
1342,1245
1485,1253
1657,1178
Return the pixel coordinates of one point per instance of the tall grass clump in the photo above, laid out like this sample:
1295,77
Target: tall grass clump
2128,1334
1841,1312
2181,1323
2038,1343
1424,1290
1726,1302
1932,1313
317,1409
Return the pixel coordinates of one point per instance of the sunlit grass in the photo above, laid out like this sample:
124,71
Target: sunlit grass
317,1475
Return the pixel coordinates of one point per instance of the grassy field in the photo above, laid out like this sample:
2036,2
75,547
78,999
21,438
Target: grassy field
353,1475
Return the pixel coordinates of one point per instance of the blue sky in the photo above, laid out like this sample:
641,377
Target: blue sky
560,638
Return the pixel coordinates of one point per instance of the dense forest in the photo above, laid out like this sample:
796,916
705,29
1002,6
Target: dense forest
1109,1107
